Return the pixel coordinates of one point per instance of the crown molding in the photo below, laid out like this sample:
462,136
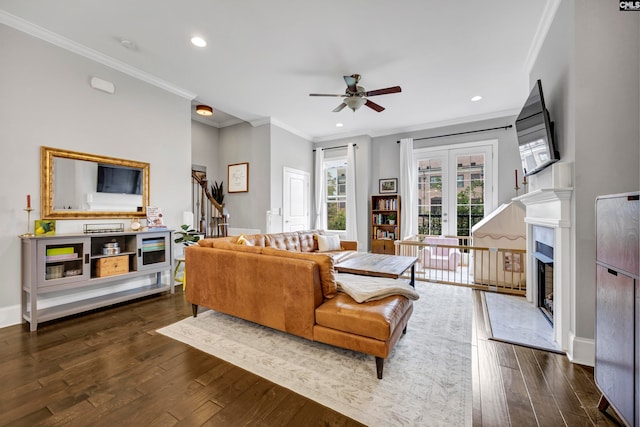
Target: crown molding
548,13
79,49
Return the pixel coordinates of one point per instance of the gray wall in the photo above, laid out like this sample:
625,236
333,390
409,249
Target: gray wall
292,151
589,67
47,100
386,151
205,141
245,143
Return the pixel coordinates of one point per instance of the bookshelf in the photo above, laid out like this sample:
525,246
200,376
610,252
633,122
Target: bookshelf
385,223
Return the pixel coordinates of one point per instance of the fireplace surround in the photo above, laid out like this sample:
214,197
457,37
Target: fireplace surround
548,219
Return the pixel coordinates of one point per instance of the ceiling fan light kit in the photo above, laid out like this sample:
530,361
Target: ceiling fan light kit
355,96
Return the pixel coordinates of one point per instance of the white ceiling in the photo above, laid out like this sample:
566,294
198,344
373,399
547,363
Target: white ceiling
263,58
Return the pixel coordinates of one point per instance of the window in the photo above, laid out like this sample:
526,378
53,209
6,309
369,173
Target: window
336,176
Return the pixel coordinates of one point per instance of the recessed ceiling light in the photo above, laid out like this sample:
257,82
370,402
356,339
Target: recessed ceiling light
198,41
339,125
476,98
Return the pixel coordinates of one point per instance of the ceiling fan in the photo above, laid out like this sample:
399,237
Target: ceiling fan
355,96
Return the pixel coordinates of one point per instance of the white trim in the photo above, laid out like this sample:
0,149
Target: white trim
10,315
548,14
77,48
581,350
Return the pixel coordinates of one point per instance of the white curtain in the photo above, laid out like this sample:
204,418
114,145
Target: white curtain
320,189
352,224
408,189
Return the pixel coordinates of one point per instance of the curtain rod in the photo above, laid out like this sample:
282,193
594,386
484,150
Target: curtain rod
462,133
340,146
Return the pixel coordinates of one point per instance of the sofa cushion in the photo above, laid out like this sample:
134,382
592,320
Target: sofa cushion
325,263
308,240
328,243
286,241
375,319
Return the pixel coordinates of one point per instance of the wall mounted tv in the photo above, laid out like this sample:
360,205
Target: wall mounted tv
535,134
119,179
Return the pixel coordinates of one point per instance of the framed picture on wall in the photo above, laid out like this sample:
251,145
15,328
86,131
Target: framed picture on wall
238,178
389,186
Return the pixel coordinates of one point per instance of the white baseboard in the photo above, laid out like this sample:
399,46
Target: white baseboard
10,315
582,350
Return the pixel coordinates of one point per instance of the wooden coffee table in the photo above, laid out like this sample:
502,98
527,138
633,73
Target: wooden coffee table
379,265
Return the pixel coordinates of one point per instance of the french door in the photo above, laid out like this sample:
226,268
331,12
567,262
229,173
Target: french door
455,188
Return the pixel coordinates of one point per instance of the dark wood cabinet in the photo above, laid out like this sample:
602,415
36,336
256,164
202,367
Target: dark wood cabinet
617,367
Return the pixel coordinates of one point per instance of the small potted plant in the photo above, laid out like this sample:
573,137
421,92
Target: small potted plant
391,218
187,235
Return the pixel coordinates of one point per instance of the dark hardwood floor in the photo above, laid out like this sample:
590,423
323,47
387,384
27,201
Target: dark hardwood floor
109,367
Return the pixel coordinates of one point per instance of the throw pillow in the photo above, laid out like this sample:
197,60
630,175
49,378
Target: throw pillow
242,240
328,243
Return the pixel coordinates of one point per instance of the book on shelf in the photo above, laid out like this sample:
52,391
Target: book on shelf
154,218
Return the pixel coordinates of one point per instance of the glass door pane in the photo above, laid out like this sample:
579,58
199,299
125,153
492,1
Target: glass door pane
431,199
470,185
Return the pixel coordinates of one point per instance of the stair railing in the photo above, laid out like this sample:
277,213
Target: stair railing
208,207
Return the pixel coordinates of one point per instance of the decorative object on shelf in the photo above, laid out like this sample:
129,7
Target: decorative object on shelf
154,217
187,235
204,110
45,227
102,228
389,186
217,191
135,225
238,178
392,219
516,187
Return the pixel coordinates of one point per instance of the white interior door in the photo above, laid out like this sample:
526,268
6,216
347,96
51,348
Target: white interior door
295,198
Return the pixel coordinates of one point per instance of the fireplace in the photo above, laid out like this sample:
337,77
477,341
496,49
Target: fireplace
545,289
543,253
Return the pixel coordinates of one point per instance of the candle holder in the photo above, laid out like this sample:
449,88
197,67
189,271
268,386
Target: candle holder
524,185
516,188
28,233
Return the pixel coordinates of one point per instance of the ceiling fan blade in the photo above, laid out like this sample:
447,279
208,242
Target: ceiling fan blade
324,94
374,106
351,82
339,108
394,89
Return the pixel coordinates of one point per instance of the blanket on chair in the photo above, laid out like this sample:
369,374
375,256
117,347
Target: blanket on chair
368,288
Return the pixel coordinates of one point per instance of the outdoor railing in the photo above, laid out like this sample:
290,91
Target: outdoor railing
495,269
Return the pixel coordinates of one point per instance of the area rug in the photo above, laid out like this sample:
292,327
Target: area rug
427,377
514,320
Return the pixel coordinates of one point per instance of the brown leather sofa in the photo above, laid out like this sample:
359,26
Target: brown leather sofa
281,281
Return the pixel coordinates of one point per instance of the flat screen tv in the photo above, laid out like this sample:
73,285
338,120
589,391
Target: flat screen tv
119,179
535,134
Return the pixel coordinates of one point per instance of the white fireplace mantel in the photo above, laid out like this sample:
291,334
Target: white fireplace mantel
551,207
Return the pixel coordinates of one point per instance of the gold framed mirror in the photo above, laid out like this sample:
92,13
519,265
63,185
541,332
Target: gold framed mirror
76,185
